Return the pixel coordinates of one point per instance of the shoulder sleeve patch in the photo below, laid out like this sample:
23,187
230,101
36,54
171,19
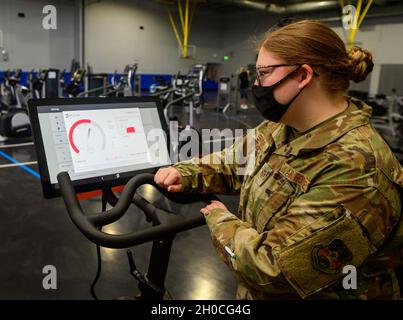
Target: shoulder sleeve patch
317,261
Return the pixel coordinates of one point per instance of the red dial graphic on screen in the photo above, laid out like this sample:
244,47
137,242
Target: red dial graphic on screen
87,134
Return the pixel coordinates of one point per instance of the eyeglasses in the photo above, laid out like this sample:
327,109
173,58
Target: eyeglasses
263,71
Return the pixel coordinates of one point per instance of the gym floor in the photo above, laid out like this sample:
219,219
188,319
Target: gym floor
46,236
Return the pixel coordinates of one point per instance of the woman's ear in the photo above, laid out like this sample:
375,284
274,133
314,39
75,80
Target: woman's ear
303,76
306,75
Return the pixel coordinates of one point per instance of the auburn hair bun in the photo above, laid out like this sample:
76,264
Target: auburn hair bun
360,62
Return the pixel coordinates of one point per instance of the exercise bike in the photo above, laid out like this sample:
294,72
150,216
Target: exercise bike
165,226
14,119
72,89
126,84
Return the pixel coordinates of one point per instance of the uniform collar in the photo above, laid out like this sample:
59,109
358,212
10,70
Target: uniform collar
324,133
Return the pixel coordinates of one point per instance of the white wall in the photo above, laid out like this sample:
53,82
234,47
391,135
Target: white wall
30,46
113,38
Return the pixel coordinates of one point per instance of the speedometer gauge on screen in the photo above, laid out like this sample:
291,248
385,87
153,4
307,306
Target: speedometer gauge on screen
98,140
106,138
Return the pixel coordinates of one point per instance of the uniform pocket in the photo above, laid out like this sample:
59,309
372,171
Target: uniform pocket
315,261
271,194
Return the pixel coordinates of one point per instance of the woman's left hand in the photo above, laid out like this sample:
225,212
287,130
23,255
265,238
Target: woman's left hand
213,205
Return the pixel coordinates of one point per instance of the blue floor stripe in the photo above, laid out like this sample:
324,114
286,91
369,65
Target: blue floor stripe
29,170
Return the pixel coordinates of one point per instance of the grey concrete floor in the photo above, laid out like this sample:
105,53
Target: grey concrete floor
36,232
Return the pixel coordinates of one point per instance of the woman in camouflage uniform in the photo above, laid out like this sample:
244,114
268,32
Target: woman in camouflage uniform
320,200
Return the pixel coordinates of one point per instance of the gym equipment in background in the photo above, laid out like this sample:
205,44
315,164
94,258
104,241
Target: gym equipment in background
224,93
14,120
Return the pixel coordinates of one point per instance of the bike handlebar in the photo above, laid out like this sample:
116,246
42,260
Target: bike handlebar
89,224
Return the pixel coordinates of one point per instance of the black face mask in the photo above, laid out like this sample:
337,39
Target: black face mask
265,102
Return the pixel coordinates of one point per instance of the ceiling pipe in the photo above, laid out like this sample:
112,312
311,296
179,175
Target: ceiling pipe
309,6
377,12
368,16
312,6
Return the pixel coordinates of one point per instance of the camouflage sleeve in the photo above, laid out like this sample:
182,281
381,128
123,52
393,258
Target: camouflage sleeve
287,257
244,250
219,172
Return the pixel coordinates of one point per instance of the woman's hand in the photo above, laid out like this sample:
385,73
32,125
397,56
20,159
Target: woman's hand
213,205
170,179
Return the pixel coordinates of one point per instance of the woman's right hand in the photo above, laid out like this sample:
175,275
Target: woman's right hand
169,178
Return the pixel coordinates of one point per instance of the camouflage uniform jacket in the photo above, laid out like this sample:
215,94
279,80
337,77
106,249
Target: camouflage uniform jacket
309,207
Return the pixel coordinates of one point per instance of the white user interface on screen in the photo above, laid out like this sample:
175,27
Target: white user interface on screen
91,143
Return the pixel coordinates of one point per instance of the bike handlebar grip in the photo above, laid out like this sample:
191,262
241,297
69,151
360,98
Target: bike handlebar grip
72,204
109,216
186,198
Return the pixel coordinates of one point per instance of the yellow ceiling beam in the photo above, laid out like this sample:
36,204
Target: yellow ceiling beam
185,18
171,19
